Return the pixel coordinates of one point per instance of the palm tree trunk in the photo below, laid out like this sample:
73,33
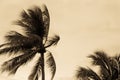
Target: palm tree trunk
43,65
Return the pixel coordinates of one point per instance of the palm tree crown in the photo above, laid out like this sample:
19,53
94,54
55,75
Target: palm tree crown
109,68
35,23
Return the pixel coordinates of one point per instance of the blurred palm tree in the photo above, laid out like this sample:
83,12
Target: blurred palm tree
109,68
35,22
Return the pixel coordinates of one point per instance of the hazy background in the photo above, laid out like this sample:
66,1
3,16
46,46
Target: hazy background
83,25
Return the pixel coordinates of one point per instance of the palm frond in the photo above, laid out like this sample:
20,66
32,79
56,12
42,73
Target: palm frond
51,64
46,20
104,74
5,44
13,35
28,41
89,73
36,70
102,60
32,21
117,57
52,41
11,50
17,42
114,64
115,68
16,38
13,64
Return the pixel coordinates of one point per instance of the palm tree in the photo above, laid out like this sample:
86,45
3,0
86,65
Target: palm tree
35,23
109,68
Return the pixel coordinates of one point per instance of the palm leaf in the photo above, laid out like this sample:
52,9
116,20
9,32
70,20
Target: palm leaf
16,38
51,64
115,68
32,21
97,61
104,73
36,70
5,44
102,60
89,73
46,20
52,41
11,50
17,42
13,35
13,64
117,58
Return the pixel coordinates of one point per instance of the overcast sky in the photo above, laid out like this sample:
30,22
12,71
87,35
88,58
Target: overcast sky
83,25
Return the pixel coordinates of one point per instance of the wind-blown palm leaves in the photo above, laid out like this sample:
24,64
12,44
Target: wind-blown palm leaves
35,23
109,68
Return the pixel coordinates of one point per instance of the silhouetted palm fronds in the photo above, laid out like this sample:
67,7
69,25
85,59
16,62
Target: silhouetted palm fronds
109,67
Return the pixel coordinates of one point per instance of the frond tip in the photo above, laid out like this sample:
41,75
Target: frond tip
52,41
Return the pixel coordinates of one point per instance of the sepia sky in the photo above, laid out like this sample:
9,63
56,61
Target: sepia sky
83,25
